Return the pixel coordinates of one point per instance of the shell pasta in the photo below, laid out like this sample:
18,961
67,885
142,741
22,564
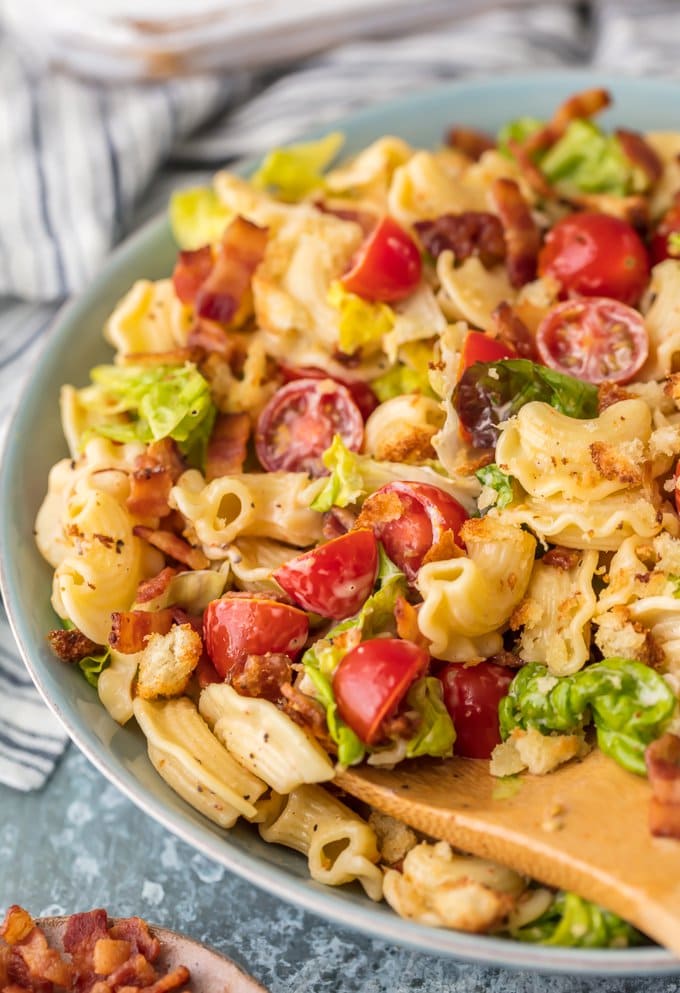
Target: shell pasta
385,470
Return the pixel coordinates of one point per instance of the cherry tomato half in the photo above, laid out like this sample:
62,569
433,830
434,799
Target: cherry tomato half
479,347
362,394
387,266
426,513
371,681
598,340
596,255
236,626
471,696
297,425
334,579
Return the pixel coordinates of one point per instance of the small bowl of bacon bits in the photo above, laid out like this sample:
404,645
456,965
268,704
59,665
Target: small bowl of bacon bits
94,953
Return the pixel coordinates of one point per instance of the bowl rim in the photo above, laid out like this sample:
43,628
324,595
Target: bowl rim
359,916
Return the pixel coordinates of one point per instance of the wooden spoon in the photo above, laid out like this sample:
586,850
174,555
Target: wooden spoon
582,828
210,971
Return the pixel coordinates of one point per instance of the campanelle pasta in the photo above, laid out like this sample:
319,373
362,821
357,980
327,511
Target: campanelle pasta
384,471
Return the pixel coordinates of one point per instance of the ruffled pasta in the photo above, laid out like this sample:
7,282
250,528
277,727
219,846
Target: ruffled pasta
401,429
264,739
556,615
339,845
424,188
149,318
467,599
253,560
269,505
551,454
661,308
192,761
471,293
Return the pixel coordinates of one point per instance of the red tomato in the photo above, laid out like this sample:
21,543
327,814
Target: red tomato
237,626
426,513
479,347
598,340
362,394
297,425
387,266
371,681
471,695
191,271
596,255
334,579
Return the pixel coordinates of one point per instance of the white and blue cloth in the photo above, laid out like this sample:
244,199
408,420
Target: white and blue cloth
81,164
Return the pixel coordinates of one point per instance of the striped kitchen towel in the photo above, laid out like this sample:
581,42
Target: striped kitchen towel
80,166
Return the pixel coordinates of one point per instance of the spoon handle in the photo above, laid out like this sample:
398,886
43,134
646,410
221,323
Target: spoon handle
582,828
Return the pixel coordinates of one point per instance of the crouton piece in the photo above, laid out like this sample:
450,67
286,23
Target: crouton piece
167,661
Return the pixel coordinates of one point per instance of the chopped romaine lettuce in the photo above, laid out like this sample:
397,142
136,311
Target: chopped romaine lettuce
488,393
159,401
297,170
629,703
362,323
518,130
574,922
410,375
197,217
585,160
91,666
436,733
496,479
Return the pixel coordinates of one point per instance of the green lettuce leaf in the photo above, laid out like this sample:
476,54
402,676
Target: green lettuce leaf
629,703
436,733
91,666
410,375
350,748
585,160
570,921
197,217
159,401
488,393
297,170
362,323
496,479
518,130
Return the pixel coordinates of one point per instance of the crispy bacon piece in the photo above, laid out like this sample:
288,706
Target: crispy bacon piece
32,959
136,931
178,977
512,331
17,925
641,154
85,928
191,271
262,676
400,726
72,646
562,558
154,474
587,103
308,714
609,394
530,171
522,236
472,232
469,141
173,546
662,758
131,628
149,589
507,659
223,291
227,447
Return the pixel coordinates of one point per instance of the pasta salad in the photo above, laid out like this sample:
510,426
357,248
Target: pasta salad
385,470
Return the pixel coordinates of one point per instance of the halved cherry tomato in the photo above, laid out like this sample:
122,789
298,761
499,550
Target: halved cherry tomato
407,536
479,347
362,394
471,696
297,425
191,271
596,255
236,626
334,579
387,266
598,340
371,681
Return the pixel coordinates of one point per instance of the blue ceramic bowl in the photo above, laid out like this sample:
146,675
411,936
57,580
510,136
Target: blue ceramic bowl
35,441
